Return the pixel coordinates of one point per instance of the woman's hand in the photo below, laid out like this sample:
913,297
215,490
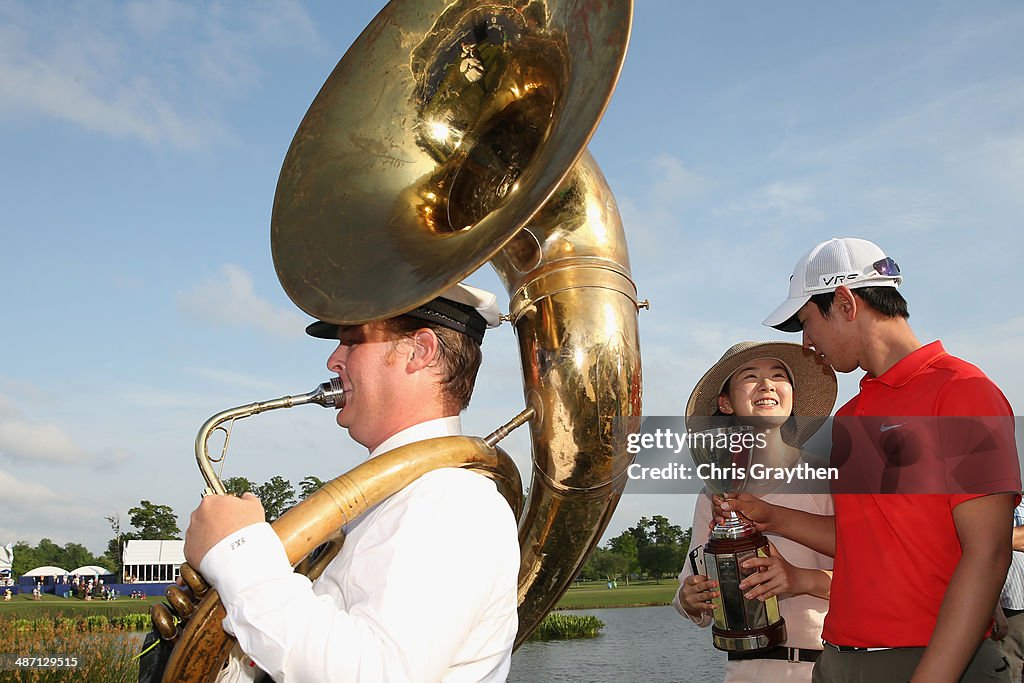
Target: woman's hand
696,594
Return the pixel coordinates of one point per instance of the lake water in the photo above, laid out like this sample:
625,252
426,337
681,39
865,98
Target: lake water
651,644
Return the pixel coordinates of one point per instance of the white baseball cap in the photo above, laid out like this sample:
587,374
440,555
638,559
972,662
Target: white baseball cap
839,261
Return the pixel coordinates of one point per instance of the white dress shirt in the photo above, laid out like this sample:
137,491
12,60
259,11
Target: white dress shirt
423,589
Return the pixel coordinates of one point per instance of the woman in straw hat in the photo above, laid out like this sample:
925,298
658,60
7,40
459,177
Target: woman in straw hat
781,388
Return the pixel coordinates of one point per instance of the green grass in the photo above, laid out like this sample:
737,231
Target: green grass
585,595
596,594
24,607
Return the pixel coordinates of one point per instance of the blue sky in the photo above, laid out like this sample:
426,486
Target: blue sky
140,144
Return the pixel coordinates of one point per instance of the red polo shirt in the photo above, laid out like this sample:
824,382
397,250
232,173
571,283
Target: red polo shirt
896,552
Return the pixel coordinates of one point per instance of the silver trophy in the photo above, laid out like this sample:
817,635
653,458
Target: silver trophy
723,457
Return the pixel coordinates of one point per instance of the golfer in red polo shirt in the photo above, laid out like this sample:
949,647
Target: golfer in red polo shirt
928,481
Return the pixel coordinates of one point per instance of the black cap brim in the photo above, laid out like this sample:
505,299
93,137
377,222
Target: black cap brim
792,324
322,330
440,311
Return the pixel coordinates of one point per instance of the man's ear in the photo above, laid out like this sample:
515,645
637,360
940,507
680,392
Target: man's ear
423,349
724,405
845,303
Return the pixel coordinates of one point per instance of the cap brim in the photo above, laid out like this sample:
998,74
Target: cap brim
784,317
322,330
485,303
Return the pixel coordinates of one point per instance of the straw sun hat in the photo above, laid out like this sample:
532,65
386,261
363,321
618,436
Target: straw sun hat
814,388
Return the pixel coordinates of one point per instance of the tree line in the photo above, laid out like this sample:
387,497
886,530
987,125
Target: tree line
154,522
150,520
652,547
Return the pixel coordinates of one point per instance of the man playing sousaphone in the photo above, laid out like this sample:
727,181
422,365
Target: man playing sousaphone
424,587
781,390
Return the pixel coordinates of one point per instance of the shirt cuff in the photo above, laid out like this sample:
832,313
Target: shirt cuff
250,556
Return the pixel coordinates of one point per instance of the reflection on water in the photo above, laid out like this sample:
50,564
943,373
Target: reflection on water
651,644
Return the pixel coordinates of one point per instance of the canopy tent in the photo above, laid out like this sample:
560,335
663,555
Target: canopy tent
152,561
46,571
6,557
90,570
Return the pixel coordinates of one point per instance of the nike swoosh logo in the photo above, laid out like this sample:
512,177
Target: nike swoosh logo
885,427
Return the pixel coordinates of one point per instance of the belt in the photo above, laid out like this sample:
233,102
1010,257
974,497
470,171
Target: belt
851,648
786,654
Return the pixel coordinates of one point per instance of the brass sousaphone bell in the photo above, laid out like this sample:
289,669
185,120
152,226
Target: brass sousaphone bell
450,134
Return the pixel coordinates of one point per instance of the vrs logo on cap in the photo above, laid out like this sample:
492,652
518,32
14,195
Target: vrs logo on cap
841,261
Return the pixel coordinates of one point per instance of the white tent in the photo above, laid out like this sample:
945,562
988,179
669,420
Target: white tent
90,570
46,571
152,561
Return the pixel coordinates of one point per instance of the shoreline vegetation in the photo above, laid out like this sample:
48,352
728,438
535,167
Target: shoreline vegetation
86,648
95,649
556,626
89,631
581,595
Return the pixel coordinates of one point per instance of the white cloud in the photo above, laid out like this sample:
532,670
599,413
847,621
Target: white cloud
671,188
660,211
158,72
131,110
914,131
112,456
908,209
235,35
33,511
25,493
996,350
779,200
7,407
28,441
152,18
38,442
674,184
229,299
1001,161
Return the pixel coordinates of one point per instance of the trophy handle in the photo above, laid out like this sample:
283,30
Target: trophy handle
697,561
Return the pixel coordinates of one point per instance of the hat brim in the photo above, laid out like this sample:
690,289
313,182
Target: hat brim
322,330
456,315
784,317
814,388
482,313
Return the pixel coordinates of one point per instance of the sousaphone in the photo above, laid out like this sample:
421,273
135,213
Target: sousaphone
449,135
